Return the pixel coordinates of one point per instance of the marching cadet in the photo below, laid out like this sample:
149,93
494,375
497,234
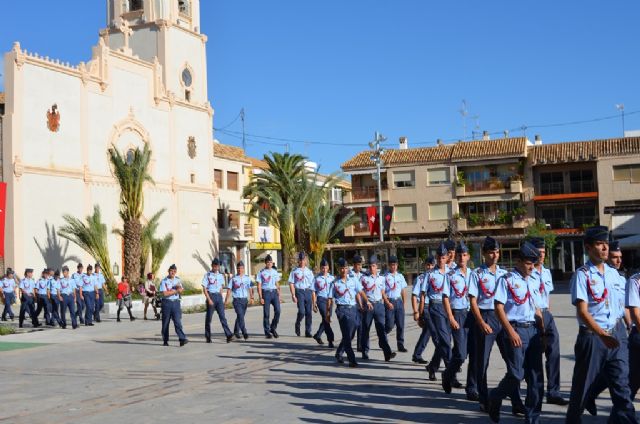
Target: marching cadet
356,272
269,292
240,288
171,289
551,347
67,297
598,345
346,292
42,287
88,295
320,292
27,299
55,298
9,289
420,312
435,285
394,288
482,289
515,300
300,282
633,303
101,291
78,279
212,285
456,303
451,254
374,289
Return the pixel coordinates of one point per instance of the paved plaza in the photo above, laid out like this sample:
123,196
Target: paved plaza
120,372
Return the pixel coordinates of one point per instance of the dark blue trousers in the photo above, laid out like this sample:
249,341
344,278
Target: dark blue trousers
240,306
592,359
459,351
55,309
600,384
483,350
357,319
9,298
218,307
99,305
27,305
79,307
305,310
347,319
270,297
44,304
523,363
552,354
68,302
395,318
377,316
89,306
472,364
325,326
424,337
442,336
171,312
634,361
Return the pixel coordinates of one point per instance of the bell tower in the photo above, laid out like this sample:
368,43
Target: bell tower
167,31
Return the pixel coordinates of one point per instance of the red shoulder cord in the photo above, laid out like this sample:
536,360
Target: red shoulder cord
459,294
592,294
516,299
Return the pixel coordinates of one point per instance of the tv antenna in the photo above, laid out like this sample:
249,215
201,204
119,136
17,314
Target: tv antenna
464,112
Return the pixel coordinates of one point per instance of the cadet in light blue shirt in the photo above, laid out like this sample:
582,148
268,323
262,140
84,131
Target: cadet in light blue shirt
42,287
88,295
322,286
394,310
300,282
598,347
9,289
171,289
67,296
420,314
55,297
451,252
78,278
633,305
212,285
515,307
269,292
240,288
27,298
101,291
374,288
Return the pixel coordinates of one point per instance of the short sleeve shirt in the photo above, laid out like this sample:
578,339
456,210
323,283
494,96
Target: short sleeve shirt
301,278
344,292
518,295
373,285
67,285
268,278
394,284
213,282
8,285
435,284
322,285
239,286
483,285
170,284
589,285
458,284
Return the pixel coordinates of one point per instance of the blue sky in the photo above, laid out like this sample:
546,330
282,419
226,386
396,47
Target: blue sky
336,71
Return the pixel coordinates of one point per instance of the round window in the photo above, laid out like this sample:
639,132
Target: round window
186,78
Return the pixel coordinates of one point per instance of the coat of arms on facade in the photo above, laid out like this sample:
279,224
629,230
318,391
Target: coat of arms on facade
191,147
53,118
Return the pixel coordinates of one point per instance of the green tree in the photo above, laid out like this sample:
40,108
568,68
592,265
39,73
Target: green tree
159,249
132,172
90,236
539,229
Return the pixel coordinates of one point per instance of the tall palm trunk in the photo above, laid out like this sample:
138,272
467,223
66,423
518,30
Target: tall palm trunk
132,250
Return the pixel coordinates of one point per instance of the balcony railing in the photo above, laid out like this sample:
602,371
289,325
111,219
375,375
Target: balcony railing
576,186
248,230
366,193
582,186
486,185
361,227
551,188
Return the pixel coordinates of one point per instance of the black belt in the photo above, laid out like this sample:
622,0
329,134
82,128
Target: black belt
525,324
395,298
171,300
460,310
269,290
435,301
612,330
487,311
544,309
346,306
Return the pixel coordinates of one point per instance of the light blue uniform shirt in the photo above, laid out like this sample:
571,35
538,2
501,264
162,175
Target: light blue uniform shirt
594,288
77,278
633,291
394,284
67,285
545,286
301,278
42,286
27,285
88,283
518,295
100,281
170,284
268,278
435,284
620,294
345,292
484,278
8,285
322,285
213,282
239,286
418,285
373,286
54,286
458,288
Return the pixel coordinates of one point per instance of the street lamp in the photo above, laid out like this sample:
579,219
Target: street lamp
376,157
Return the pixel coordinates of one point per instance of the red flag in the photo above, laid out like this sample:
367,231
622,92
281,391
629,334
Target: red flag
3,204
372,219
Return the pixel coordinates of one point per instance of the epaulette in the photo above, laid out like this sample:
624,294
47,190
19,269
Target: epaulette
583,268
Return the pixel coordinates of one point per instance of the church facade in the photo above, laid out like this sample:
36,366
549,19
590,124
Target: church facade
146,83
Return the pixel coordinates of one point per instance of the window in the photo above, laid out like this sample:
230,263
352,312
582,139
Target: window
217,177
187,95
187,79
439,211
232,181
263,220
135,5
336,195
627,173
403,179
551,183
581,181
184,7
221,219
234,220
404,213
438,176
131,154
193,178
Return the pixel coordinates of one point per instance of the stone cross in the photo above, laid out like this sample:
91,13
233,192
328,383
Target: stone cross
126,31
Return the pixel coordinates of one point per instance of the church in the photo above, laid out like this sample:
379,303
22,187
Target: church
146,83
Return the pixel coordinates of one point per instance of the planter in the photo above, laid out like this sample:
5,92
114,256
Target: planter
460,191
515,186
461,224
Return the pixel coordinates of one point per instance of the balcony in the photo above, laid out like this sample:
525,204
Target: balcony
493,186
575,187
493,222
359,194
360,228
248,231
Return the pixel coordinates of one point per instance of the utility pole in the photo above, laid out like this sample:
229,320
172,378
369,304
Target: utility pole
244,141
620,107
376,157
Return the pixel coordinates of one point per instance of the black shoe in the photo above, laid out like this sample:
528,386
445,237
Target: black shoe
339,359
229,338
237,336
165,344
145,318
298,332
75,327
246,336
275,333
473,396
208,340
132,318
418,360
319,340
402,349
37,325
98,320
89,325
557,400
4,319
157,317
330,345
64,327
81,321
20,326
184,342
353,365
117,319
432,373
518,410
493,408
365,356
359,349
268,336
308,335
446,384
456,384
389,357
590,406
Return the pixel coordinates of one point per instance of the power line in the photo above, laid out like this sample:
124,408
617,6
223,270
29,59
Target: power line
240,114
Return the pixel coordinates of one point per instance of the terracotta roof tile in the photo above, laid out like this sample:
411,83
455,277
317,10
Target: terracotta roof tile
582,151
258,163
490,149
229,152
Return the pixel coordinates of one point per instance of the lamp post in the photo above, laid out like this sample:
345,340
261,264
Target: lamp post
376,157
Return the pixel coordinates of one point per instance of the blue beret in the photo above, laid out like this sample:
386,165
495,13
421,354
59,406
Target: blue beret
173,266
538,242
215,261
240,263
80,265
528,252
324,262
442,249
450,244
597,233
373,260
357,259
268,258
65,268
342,262
462,248
393,259
490,244
301,256
28,270
10,271
614,246
430,260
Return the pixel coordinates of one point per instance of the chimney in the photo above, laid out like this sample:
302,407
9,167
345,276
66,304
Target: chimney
506,133
485,135
439,142
404,143
538,140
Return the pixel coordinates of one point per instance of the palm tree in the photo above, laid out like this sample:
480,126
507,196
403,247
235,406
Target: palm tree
90,236
159,249
148,233
131,172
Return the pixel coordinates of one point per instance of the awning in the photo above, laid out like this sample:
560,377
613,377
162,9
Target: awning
490,198
265,246
630,242
363,171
